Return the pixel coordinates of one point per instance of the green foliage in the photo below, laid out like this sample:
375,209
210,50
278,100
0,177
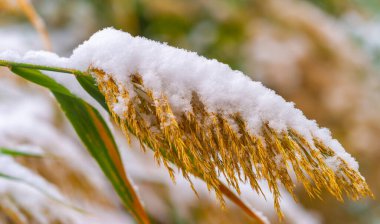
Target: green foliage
95,134
88,83
16,153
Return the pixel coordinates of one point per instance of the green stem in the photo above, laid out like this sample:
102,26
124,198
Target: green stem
11,64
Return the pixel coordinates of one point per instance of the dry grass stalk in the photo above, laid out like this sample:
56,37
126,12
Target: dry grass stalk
210,144
72,182
13,212
8,5
27,8
36,20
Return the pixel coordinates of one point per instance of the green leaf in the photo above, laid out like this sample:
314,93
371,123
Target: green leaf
96,136
40,79
89,84
13,152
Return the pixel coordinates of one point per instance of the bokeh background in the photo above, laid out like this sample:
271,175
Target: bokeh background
324,55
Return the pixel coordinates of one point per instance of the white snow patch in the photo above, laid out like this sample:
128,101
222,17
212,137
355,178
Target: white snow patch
177,73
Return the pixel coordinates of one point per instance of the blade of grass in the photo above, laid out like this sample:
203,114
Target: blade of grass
13,152
11,64
88,122
85,80
89,84
41,79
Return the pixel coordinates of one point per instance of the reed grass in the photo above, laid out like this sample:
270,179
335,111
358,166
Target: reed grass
206,144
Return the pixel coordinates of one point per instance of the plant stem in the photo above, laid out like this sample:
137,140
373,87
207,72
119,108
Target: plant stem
11,64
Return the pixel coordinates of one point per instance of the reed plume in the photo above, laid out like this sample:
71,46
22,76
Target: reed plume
208,144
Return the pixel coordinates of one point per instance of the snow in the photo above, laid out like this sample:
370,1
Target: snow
177,73
43,200
261,216
9,167
27,192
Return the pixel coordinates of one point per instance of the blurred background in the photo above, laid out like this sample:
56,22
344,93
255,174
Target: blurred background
324,55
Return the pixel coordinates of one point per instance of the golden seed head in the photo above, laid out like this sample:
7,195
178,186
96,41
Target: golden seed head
208,144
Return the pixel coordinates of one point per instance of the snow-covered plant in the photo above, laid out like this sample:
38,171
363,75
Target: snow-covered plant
197,114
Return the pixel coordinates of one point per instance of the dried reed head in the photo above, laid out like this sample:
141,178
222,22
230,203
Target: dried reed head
208,144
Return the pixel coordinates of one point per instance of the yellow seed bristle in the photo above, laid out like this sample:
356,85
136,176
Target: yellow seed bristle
205,144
